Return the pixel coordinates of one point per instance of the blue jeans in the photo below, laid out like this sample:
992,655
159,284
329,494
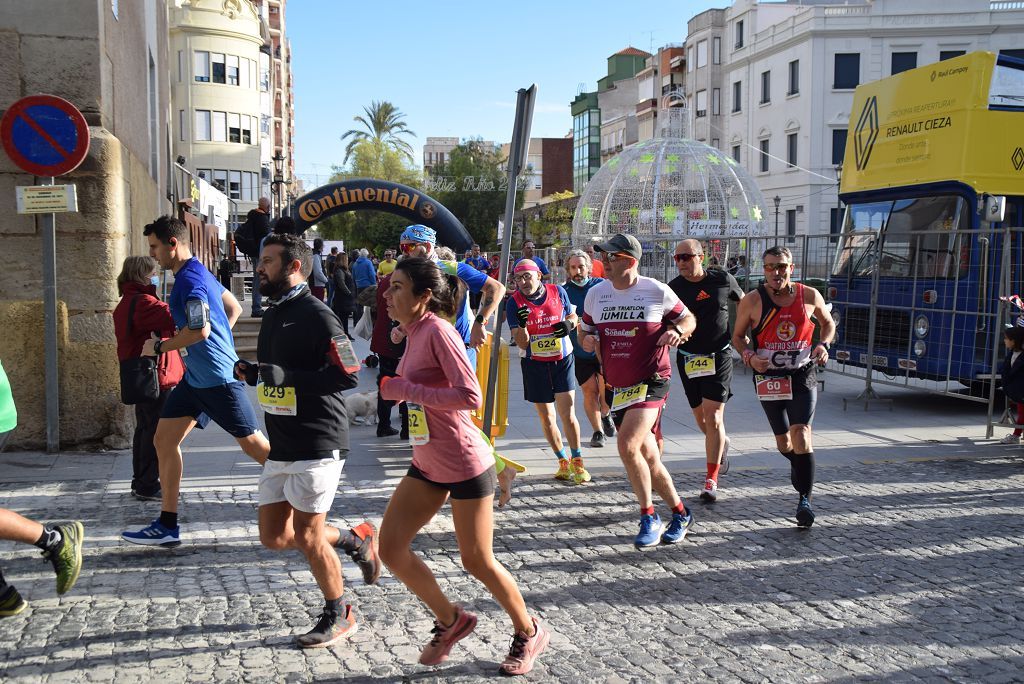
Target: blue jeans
257,298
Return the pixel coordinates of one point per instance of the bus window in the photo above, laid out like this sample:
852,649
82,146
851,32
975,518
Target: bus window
1007,88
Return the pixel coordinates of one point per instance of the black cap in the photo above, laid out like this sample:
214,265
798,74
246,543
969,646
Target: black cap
621,243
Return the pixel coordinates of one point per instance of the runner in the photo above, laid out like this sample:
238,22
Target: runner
541,317
779,315
528,254
299,379
705,360
635,320
61,544
419,241
586,365
204,313
450,458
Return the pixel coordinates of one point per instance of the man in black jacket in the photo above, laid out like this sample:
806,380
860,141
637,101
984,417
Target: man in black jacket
299,378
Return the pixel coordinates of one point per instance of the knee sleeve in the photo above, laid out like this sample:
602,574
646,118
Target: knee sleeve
803,473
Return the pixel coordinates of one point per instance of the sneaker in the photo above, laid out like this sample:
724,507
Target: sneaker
651,528
366,556
386,431
154,534
11,602
444,638
597,441
524,650
710,493
156,496
67,557
579,473
330,629
723,469
804,513
609,426
563,470
1010,439
680,524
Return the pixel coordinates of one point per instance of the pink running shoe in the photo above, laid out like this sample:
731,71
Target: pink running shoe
525,650
437,650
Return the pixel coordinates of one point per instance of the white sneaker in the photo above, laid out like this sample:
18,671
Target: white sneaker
1010,439
710,493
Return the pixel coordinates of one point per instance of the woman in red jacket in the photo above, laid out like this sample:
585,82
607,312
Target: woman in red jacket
137,285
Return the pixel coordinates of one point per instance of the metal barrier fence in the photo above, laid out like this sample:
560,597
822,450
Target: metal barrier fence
880,290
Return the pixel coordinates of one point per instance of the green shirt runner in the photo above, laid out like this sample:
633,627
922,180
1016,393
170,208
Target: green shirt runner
8,414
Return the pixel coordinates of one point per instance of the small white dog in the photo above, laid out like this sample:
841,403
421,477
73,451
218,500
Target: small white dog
362,408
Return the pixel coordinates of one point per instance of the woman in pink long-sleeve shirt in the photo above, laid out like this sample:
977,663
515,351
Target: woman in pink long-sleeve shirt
450,458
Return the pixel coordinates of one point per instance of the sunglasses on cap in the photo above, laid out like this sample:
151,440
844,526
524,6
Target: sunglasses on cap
612,256
686,257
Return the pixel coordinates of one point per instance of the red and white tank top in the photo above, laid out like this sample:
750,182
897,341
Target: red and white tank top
544,346
784,333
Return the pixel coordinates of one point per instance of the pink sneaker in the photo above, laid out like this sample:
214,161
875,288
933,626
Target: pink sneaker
525,650
436,651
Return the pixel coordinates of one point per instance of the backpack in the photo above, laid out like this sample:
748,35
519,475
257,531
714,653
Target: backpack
245,240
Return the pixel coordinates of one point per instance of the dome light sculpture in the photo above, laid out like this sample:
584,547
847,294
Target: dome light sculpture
668,188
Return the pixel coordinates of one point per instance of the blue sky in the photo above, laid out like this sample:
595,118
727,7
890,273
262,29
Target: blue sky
454,67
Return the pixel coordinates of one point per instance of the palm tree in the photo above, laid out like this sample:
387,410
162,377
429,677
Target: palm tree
384,125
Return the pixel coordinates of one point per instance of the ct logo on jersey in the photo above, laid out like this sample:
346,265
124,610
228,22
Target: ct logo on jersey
785,331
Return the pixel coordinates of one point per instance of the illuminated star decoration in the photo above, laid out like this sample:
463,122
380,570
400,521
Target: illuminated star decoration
755,212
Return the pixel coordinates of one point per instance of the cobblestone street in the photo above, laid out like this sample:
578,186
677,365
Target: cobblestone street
912,572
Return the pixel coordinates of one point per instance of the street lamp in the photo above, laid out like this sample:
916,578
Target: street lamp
777,200
278,178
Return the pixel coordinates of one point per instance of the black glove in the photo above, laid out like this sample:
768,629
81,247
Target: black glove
272,375
522,313
248,370
563,328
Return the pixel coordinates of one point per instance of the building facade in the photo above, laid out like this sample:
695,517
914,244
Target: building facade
772,84
659,84
548,168
111,61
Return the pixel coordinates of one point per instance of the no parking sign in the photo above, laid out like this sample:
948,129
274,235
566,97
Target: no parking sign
45,135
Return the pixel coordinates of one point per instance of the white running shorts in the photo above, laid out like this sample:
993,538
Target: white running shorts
309,486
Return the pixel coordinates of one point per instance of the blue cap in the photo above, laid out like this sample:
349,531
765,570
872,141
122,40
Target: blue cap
419,233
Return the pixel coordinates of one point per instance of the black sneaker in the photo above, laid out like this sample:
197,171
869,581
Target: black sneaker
366,555
155,496
597,441
67,557
330,629
609,426
804,513
386,431
11,602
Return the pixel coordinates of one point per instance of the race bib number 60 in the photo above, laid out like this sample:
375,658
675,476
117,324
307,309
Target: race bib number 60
773,388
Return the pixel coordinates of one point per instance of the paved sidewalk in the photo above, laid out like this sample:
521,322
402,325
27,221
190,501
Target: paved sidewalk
912,571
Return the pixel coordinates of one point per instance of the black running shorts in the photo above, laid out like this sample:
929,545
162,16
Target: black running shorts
478,487
586,367
712,387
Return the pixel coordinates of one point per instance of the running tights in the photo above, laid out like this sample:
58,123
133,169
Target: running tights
801,471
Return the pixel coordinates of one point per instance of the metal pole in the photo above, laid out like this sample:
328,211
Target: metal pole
46,224
517,155
1003,290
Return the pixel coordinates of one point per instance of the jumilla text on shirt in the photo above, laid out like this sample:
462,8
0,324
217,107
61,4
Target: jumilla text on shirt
311,209
624,313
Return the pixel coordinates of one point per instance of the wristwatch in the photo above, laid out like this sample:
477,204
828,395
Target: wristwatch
826,345
479,319
157,346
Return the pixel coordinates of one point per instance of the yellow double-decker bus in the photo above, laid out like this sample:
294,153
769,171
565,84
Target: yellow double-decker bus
933,177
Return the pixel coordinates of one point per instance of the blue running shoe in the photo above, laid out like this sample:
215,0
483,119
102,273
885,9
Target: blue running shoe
650,531
154,535
678,527
804,513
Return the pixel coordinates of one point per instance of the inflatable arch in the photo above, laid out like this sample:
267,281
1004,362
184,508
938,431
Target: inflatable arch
377,195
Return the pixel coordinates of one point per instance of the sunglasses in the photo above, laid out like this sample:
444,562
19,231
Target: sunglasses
686,257
407,247
522,277
613,256
778,268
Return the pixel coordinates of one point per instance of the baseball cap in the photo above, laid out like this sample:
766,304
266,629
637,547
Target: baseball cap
620,243
419,233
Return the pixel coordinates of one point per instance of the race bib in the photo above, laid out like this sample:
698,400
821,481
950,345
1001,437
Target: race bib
699,366
349,360
624,397
278,401
545,346
773,388
419,433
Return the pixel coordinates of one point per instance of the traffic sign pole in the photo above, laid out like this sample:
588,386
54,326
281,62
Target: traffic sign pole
46,225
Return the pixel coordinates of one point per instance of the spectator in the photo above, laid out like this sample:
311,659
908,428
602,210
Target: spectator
344,302
137,317
528,254
258,221
365,276
597,270
318,279
332,258
386,267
